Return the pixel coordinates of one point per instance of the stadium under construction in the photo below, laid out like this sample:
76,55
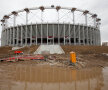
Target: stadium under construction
67,29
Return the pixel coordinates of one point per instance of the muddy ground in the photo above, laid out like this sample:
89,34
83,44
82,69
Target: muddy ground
87,56
56,70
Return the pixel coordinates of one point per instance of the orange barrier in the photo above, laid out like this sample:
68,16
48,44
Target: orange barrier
73,57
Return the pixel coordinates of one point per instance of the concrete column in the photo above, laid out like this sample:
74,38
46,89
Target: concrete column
90,35
86,23
94,37
83,36
6,23
14,24
41,34
27,12
3,21
74,35
31,35
21,35
58,34
10,37
87,36
27,18
64,34
69,35
6,33
13,36
47,33
73,17
53,34
36,33
99,38
95,22
5,37
79,35
17,38
26,35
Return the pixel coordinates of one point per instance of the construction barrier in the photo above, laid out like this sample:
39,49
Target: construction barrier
73,57
24,57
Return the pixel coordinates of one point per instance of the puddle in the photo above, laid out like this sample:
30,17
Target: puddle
35,77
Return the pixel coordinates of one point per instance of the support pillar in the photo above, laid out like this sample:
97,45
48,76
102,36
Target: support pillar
87,36
36,33
31,35
21,35
94,37
90,35
13,36
64,34
26,35
17,36
86,23
83,36
53,34
73,17
79,39
10,37
69,35
58,34
99,38
27,11
47,33
41,33
74,35
7,36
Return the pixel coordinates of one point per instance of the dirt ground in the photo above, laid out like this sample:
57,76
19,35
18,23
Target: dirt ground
12,74
87,56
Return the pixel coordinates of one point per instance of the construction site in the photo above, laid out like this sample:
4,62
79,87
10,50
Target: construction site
44,55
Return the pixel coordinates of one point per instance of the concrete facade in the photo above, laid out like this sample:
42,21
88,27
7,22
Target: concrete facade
50,33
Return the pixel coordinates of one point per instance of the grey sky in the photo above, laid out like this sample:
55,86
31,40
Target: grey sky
100,7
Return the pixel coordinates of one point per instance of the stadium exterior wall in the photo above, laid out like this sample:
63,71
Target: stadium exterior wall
50,33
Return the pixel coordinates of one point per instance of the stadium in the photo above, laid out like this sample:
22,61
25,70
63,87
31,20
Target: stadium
50,25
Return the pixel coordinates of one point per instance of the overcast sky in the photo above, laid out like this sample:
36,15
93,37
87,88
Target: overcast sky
100,7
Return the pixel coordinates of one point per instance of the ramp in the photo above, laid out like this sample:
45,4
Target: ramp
52,49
